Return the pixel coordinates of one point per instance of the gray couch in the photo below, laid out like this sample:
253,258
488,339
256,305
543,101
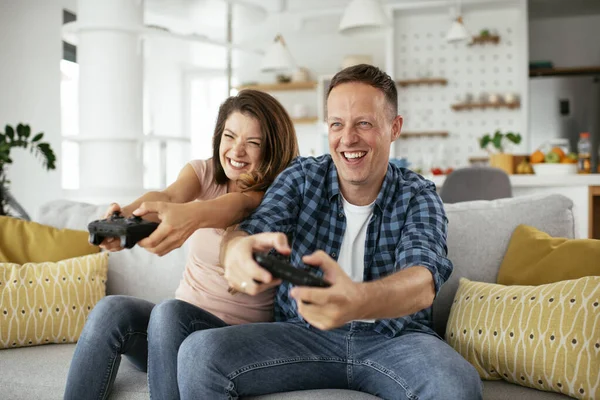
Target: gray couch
478,237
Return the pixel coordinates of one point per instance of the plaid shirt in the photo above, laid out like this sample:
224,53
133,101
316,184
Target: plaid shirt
408,227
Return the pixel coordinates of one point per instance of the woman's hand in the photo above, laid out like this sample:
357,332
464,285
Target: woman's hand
177,223
112,243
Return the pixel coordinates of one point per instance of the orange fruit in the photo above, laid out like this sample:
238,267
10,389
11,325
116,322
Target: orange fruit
559,151
537,157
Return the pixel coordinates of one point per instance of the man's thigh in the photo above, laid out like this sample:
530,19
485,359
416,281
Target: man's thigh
264,358
412,366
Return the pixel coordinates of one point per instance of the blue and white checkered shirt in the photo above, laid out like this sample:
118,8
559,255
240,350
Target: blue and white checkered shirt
408,228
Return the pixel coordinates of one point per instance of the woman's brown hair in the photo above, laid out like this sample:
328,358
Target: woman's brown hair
278,147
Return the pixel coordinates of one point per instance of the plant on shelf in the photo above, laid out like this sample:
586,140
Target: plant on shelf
499,140
496,146
20,137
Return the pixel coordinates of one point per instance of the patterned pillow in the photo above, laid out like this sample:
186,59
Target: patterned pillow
545,337
49,302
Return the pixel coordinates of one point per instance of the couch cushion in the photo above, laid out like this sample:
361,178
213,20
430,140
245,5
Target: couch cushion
49,302
535,258
541,336
479,233
500,390
26,241
135,272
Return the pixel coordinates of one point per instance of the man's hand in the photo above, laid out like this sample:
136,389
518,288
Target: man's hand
177,224
328,308
242,272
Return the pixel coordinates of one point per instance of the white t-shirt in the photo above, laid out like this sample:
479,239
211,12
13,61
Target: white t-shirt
352,252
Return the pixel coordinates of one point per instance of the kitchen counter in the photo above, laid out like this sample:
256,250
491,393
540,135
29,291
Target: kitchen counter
539,180
583,189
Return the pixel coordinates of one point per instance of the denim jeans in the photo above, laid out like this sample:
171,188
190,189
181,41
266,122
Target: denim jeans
148,335
255,359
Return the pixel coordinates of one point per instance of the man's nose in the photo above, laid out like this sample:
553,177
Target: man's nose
349,136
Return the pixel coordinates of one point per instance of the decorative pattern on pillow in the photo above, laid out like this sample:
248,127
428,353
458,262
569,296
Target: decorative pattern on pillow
49,302
545,337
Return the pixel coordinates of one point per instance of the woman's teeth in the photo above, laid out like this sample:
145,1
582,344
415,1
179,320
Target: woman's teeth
237,164
353,155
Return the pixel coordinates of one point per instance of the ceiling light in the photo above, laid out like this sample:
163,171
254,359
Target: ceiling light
278,57
363,16
457,32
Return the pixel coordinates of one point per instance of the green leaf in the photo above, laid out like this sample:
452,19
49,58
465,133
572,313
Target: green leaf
484,141
516,139
497,141
37,137
26,131
10,132
20,130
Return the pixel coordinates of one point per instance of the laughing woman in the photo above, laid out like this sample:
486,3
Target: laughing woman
253,141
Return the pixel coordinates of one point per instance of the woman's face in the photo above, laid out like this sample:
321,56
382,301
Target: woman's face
240,147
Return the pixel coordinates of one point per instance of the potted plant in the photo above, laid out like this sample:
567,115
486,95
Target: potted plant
496,145
20,137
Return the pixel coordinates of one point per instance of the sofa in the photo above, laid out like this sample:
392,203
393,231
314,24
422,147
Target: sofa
479,233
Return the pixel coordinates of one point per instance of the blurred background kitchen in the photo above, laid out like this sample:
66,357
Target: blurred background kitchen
127,91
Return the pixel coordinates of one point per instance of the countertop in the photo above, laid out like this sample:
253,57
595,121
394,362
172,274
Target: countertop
539,180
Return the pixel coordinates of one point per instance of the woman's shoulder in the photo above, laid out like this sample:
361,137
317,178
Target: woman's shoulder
205,173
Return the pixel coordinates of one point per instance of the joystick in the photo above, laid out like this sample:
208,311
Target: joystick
282,269
129,230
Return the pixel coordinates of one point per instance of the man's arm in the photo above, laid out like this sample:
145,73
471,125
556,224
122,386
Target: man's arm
277,213
420,256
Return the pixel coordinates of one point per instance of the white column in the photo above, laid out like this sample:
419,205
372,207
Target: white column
109,54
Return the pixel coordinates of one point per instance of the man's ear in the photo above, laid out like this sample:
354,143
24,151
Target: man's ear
396,127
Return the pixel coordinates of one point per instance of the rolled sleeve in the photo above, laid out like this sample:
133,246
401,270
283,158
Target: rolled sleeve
423,238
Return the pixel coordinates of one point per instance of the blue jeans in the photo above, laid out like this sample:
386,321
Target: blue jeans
256,359
148,335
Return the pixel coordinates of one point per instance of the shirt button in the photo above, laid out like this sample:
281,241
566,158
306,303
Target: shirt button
341,215
333,255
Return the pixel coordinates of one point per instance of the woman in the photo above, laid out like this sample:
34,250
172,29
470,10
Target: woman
253,141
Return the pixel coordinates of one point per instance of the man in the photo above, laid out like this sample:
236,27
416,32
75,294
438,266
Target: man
378,232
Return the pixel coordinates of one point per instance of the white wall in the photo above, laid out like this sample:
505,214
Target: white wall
567,42
30,54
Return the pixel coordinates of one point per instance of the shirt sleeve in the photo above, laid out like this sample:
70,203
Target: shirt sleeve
279,209
423,237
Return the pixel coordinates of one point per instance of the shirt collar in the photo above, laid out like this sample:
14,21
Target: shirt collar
387,186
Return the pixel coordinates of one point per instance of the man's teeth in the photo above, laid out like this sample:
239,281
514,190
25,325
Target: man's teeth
356,154
237,164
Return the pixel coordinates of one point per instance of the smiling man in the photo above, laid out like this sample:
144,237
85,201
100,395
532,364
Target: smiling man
378,232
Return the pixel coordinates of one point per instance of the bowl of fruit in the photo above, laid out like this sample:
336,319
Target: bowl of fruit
554,162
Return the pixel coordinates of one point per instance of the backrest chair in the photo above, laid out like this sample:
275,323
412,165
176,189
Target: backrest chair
475,183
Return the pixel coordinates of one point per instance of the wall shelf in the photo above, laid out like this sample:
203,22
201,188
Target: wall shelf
274,87
564,71
424,81
305,120
471,106
409,134
483,39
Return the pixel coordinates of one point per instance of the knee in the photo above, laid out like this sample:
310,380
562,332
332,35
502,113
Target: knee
165,313
203,351
462,381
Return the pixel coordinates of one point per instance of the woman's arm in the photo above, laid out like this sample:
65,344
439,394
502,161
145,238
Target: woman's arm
186,188
180,221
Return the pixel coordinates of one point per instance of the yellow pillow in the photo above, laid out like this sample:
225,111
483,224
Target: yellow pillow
535,258
49,302
545,337
24,241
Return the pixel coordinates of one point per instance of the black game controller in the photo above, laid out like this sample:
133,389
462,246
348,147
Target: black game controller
129,230
282,269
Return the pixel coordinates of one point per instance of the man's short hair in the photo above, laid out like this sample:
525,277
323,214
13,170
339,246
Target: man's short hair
371,76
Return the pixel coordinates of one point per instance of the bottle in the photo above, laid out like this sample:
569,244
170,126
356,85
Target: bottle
584,154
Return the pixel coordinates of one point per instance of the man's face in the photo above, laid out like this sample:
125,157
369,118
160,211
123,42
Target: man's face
361,130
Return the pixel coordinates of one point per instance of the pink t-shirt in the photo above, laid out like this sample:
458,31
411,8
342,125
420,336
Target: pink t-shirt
203,284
